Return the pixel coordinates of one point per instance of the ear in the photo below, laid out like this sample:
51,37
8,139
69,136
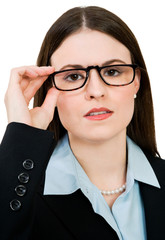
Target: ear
137,80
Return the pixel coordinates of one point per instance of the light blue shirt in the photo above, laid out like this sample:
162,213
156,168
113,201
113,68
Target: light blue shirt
64,175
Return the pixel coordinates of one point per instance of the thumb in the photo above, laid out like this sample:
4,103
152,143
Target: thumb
50,101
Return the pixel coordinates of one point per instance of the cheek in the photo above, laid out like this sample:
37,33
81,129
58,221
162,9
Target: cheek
62,106
67,110
125,105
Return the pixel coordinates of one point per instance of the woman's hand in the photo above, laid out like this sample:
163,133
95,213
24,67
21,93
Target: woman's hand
24,83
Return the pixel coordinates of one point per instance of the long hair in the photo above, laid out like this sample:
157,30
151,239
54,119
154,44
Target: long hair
141,128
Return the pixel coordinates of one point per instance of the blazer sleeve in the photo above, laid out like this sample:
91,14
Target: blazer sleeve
24,154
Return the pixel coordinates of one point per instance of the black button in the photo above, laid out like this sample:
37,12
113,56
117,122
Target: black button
28,164
20,190
15,205
23,177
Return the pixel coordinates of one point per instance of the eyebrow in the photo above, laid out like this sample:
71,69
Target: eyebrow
76,66
113,61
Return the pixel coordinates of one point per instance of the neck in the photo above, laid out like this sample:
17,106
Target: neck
104,162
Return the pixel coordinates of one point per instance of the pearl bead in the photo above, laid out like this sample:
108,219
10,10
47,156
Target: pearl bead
115,191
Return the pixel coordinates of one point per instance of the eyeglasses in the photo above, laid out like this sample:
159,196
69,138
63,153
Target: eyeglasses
112,75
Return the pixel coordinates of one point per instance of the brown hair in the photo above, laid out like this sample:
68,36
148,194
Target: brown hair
141,128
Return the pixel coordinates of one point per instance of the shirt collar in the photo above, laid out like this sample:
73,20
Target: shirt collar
64,175
139,165
60,175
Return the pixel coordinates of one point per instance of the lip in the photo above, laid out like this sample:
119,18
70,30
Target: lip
98,114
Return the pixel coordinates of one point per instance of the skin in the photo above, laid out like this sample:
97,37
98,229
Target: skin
99,146
23,84
77,50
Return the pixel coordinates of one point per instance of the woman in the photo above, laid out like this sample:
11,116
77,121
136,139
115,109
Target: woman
83,163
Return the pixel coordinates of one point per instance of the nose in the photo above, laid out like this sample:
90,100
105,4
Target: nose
95,87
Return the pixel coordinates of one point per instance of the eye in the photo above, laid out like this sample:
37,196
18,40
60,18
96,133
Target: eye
111,72
73,77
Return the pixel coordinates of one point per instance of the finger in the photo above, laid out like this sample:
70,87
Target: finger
44,70
17,74
29,73
32,88
50,101
43,74
38,71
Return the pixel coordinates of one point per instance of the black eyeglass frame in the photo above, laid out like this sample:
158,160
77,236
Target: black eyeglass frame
87,70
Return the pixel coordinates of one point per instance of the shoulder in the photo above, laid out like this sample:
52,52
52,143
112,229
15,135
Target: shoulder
158,166
155,161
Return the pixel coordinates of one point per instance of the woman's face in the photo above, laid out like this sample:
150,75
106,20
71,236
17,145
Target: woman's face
113,107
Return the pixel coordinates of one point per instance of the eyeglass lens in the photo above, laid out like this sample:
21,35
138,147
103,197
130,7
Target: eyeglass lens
112,75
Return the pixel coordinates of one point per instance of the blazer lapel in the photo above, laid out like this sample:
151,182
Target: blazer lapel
154,201
76,214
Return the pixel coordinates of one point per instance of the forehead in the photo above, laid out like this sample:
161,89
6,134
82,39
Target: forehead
89,47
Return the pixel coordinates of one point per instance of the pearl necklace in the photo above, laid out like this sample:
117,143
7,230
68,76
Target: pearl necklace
115,191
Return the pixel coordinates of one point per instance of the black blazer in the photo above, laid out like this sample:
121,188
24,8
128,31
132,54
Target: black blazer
24,154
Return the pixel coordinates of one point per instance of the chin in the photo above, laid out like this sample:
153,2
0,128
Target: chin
98,136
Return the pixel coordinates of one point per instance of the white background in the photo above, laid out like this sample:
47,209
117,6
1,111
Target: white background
23,25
